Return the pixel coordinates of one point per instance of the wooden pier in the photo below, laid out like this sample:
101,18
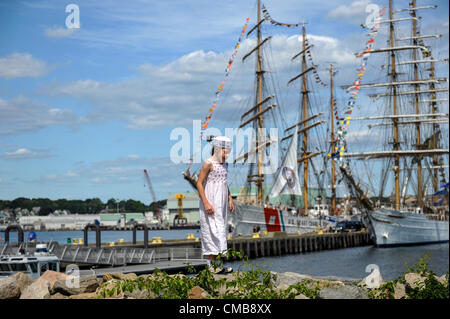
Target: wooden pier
282,244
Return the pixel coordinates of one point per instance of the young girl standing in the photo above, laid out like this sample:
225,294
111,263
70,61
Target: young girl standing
215,199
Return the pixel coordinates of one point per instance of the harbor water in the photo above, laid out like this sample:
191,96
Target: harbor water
348,263
352,262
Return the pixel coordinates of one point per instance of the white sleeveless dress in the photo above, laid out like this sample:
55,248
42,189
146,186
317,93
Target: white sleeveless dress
214,227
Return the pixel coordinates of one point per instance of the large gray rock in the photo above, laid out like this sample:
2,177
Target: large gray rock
345,280
117,275
442,279
342,292
40,289
23,280
413,281
89,295
290,278
58,296
9,288
87,284
140,294
399,291
197,293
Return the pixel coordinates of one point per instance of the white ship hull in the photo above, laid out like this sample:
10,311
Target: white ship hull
246,217
394,228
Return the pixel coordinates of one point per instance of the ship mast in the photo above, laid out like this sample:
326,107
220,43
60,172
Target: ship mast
306,156
394,101
433,110
256,112
259,74
305,115
333,145
416,98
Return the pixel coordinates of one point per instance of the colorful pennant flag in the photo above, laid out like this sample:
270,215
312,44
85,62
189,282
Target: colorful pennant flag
343,124
205,123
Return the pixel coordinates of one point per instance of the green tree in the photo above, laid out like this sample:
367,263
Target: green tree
22,202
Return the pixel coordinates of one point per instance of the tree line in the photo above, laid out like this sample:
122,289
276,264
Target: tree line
76,206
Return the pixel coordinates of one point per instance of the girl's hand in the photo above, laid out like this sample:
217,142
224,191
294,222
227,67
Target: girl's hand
231,205
209,209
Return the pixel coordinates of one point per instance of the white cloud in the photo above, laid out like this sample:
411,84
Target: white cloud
59,32
175,93
133,156
18,65
24,154
21,114
60,178
354,13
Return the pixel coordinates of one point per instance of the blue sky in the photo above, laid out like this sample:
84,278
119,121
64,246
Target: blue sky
83,113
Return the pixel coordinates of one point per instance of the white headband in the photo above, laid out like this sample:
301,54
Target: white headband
222,142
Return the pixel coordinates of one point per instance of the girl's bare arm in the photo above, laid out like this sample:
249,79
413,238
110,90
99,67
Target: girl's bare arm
206,168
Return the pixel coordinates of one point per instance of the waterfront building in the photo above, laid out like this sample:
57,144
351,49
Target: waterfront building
121,219
52,222
191,208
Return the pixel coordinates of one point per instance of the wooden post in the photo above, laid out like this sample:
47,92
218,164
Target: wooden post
262,247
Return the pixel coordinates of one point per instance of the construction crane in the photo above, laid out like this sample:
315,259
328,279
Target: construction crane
152,193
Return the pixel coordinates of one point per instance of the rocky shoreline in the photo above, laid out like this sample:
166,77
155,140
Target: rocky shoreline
206,285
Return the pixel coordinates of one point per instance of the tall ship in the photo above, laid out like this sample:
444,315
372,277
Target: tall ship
279,200
407,202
